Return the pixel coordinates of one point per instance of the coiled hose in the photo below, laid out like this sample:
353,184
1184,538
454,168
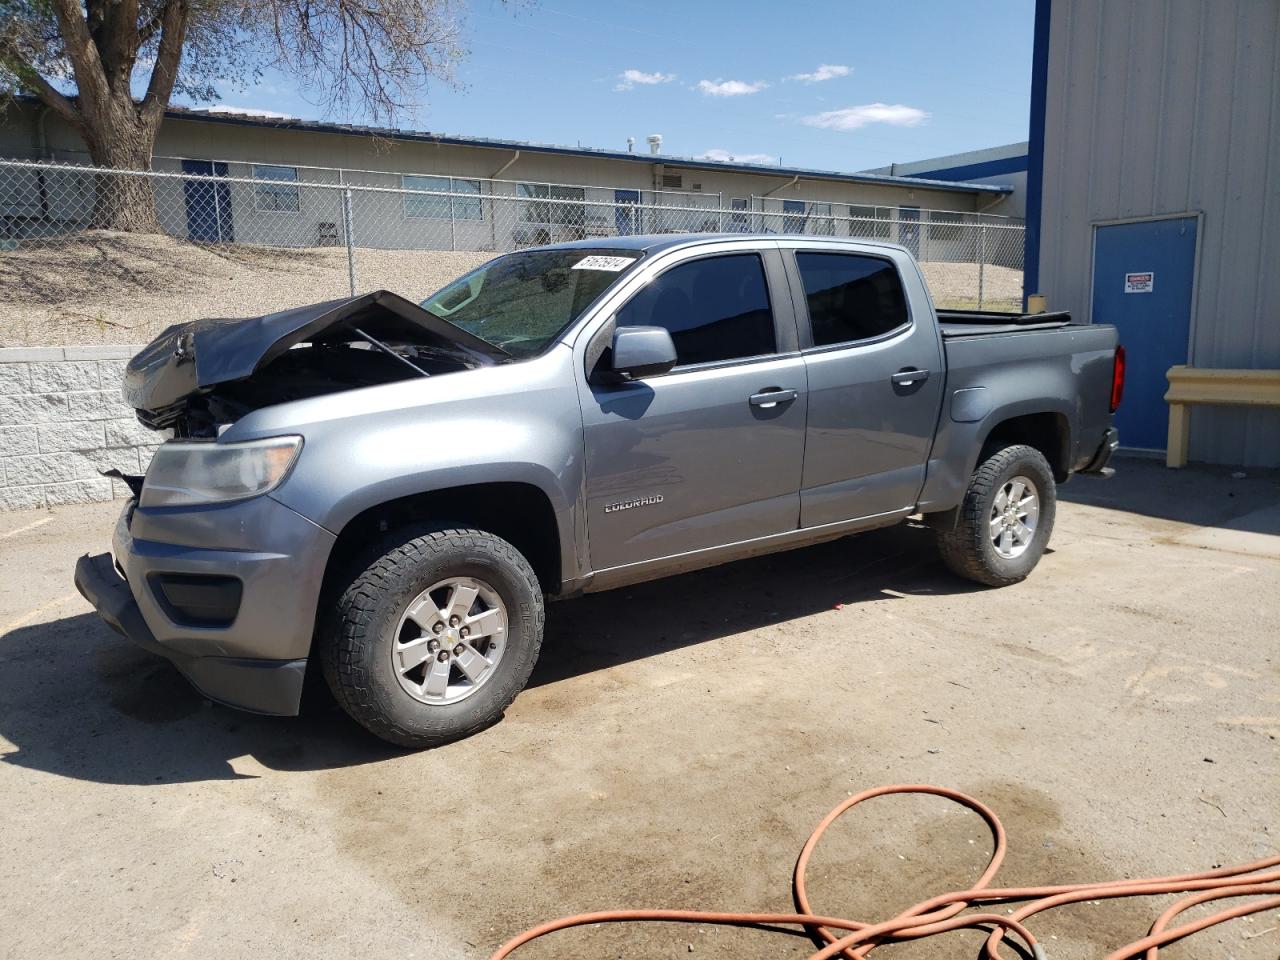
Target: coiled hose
853,939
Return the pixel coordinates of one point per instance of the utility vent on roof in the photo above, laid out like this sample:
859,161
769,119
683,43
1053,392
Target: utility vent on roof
672,181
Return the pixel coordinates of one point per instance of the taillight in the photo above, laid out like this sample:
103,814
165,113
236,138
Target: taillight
1117,379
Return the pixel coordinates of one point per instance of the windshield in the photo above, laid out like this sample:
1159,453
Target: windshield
522,301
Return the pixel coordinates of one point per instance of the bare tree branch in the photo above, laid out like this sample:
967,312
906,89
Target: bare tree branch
41,87
86,64
119,44
173,31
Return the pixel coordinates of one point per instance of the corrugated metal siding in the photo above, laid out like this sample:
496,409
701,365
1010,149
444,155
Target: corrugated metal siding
1171,106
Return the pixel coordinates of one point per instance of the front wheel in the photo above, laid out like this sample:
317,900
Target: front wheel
1005,519
434,639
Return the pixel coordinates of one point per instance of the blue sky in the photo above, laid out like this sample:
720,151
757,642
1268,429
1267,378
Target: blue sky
831,84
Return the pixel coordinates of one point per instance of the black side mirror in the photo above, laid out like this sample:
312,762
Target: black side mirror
640,352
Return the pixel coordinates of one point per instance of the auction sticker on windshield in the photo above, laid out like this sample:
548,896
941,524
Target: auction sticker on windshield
612,264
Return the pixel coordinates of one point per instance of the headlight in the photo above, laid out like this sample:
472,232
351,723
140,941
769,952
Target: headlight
189,473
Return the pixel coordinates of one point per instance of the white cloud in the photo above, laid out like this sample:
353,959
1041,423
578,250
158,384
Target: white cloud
825,71
247,112
630,79
851,118
730,88
724,156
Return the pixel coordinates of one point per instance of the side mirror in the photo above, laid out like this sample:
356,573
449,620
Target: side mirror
640,352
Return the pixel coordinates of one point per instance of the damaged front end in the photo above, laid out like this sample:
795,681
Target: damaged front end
199,377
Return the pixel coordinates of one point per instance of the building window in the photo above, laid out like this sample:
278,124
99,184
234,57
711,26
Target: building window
851,297
716,308
823,225
279,191
420,207
543,210
794,221
739,219
870,222
946,226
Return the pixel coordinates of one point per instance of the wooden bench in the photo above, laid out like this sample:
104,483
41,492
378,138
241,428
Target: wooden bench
1192,385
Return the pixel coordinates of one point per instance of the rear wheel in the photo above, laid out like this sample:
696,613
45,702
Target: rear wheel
435,637
1005,519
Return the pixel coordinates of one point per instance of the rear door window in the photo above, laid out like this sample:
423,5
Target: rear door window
851,297
716,308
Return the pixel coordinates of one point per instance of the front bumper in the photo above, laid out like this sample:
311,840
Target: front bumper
257,660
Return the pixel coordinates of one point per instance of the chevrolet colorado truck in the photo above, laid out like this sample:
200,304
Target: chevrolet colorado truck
388,491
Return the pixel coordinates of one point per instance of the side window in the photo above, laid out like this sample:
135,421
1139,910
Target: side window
716,308
851,297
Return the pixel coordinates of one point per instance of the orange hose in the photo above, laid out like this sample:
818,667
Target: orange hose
944,913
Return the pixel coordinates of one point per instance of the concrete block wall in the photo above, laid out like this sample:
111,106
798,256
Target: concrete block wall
62,420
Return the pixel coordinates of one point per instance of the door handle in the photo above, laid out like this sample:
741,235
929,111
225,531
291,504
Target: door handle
772,396
908,376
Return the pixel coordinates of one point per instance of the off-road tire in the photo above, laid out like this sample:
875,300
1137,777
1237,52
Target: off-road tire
967,548
355,642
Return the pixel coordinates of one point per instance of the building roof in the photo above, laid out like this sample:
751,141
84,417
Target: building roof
419,136
970,165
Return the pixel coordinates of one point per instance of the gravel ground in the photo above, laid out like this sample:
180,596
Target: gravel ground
1119,710
104,287
955,285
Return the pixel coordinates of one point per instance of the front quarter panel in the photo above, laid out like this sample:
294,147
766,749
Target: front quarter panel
517,422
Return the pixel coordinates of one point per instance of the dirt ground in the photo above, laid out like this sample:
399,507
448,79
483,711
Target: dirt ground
1120,710
955,286
103,287
106,287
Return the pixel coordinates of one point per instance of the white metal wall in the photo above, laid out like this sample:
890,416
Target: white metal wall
1171,106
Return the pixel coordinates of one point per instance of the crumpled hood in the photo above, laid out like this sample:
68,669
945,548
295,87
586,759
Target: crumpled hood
190,358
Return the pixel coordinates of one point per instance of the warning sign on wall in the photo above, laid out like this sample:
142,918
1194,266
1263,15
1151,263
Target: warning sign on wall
1139,282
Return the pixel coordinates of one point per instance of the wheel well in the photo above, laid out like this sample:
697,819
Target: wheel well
1047,432
518,512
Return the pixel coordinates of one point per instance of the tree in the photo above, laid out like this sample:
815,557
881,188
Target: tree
125,59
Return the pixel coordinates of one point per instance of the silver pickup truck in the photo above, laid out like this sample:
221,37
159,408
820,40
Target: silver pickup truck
387,491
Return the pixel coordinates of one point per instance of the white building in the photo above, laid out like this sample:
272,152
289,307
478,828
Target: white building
502,193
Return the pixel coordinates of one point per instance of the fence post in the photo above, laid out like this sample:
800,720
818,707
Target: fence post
493,216
982,259
453,217
347,223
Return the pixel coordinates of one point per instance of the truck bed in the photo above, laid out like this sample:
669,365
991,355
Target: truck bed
979,323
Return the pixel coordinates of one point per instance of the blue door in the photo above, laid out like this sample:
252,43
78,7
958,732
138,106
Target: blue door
625,215
208,203
909,229
1142,278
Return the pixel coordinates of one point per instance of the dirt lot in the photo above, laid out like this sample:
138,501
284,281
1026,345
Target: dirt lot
1120,710
106,287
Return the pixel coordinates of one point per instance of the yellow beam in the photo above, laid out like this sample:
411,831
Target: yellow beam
1192,385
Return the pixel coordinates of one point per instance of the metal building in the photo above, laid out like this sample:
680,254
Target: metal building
1006,164
1153,196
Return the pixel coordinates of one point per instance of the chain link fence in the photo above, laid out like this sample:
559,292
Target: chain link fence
90,255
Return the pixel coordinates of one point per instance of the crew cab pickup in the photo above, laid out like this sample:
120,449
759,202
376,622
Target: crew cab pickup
387,491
